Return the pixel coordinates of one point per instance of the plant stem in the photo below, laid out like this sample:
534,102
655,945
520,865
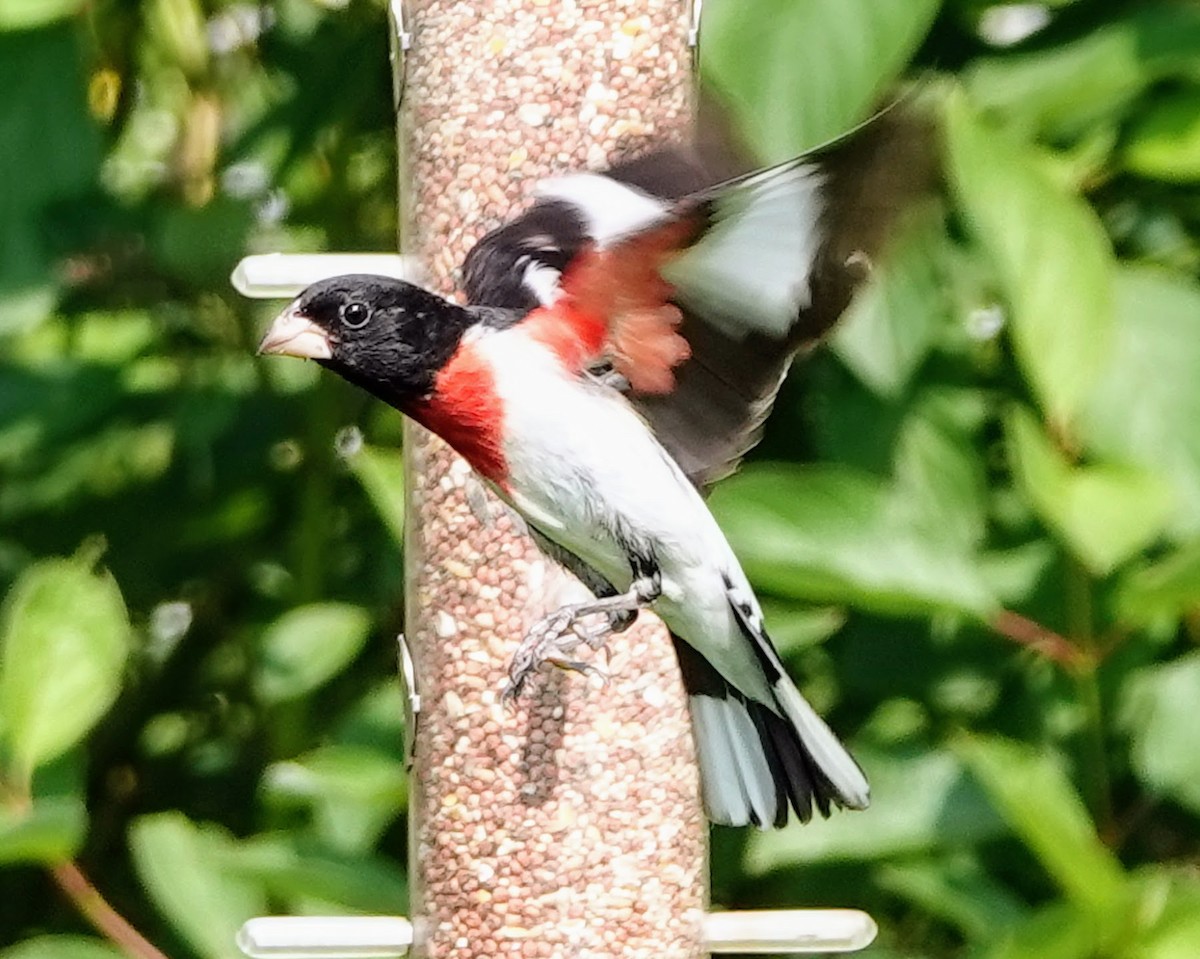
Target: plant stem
1094,759
1035,636
97,910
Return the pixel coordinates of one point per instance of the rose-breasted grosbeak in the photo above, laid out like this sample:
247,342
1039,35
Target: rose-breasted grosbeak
625,342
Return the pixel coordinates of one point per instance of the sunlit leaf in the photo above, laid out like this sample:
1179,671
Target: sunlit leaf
795,627
1165,142
308,646
1013,574
894,320
354,792
303,871
1169,914
24,14
1106,512
1146,404
1160,701
1031,791
940,477
64,639
918,802
62,947
825,534
1063,88
178,27
817,68
1169,588
1051,256
181,866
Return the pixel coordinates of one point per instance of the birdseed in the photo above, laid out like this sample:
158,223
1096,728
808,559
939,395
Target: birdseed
570,825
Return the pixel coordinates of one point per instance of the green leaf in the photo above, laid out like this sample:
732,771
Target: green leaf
1169,911
1146,404
308,646
1159,703
1031,791
1051,256
381,473
26,14
1167,589
50,146
50,825
1060,931
958,890
62,947
1064,89
178,27
892,323
1165,140
833,535
1106,512
817,66
940,477
301,872
64,639
49,831
919,801
795,627
354,792
1013,574
181,866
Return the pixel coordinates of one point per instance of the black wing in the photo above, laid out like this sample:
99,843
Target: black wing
762,266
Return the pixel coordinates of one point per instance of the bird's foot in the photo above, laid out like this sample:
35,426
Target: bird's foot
553,637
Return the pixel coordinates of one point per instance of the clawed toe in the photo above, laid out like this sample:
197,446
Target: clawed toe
549,640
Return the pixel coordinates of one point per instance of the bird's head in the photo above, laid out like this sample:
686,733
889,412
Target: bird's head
380,333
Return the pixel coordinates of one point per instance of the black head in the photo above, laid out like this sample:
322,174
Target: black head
385,335
509,266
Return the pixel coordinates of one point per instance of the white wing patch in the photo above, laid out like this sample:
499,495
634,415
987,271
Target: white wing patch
613,210
751,270
541,280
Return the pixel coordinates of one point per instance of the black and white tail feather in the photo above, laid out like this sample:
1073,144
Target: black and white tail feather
756,761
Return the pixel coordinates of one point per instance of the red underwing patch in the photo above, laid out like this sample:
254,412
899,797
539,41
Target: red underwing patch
615,302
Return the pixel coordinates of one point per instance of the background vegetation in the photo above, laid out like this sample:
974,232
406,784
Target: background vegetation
976,517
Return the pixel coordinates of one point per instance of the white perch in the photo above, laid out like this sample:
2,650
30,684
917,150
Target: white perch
267,276
776,932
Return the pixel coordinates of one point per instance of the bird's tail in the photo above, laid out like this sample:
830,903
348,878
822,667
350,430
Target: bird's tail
756,761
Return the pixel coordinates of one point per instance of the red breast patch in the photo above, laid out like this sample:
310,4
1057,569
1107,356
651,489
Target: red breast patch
465,410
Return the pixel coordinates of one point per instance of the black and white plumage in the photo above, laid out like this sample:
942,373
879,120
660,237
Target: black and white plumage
697,298
841,204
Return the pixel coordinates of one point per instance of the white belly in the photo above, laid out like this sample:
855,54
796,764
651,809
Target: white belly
586,471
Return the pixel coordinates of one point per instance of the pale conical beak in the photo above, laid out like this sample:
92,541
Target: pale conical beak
294,334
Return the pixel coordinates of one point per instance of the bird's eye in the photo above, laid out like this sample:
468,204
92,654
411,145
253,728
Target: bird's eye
355,315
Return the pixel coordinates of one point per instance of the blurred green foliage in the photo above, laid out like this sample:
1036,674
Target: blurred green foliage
975,519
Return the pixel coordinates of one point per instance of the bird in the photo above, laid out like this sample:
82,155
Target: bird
622,344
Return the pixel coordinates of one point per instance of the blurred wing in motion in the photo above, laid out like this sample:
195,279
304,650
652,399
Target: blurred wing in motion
700,294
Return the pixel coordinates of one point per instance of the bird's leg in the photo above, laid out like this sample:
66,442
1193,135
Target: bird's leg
551,638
